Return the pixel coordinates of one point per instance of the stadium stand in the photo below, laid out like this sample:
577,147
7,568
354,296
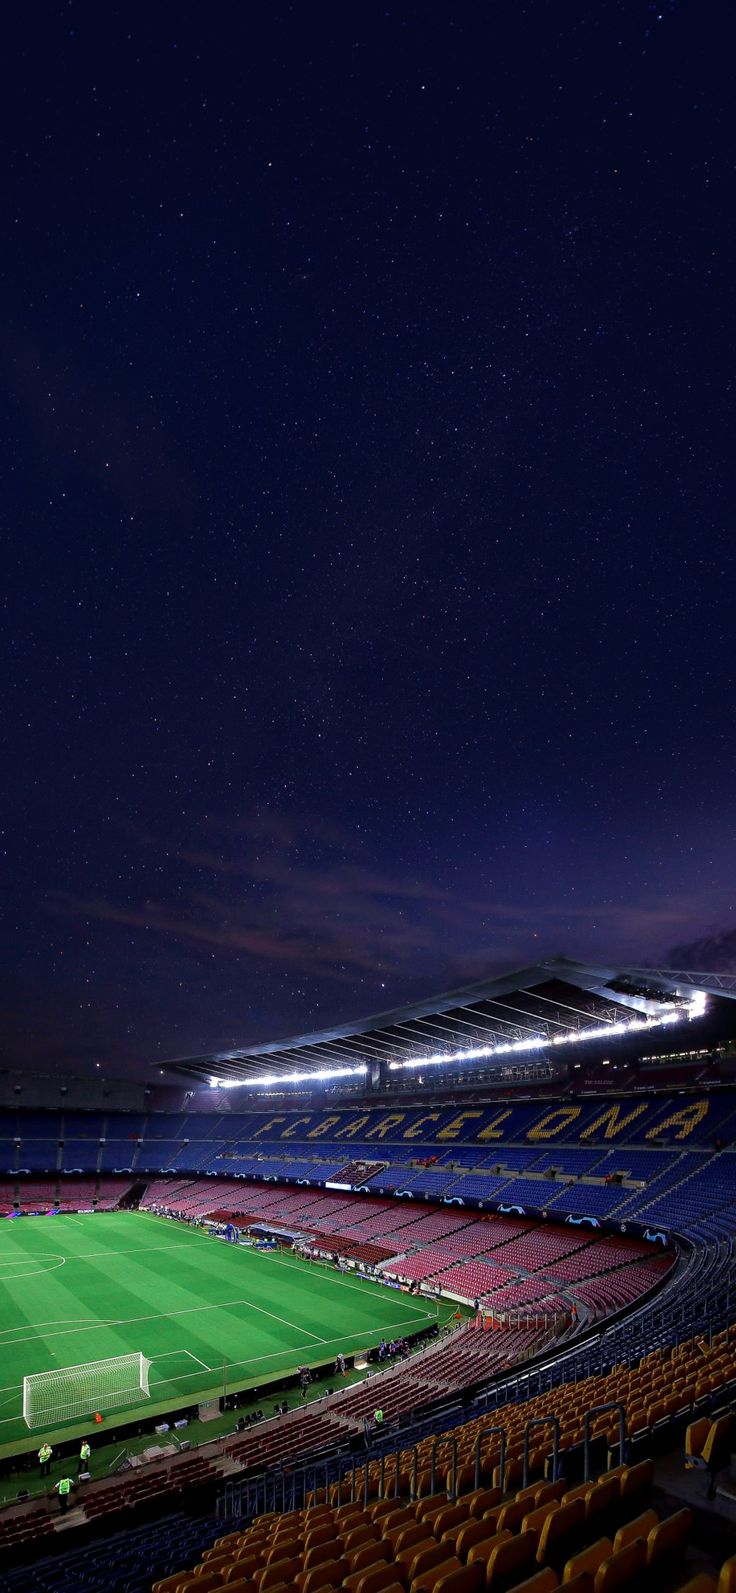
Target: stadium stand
661,1164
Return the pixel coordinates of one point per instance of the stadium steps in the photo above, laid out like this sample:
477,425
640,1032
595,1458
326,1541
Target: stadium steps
635,1196
703,1166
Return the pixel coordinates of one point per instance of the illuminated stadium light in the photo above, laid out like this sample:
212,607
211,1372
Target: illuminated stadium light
289,1078
671,1012
676,1014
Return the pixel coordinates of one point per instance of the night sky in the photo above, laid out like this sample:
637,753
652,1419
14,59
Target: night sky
368,494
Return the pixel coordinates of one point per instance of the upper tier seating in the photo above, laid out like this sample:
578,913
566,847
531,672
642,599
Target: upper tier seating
661,1157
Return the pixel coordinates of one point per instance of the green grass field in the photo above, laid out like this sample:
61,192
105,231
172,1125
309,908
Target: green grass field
81,1288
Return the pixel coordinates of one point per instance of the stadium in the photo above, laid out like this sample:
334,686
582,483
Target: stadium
439,1300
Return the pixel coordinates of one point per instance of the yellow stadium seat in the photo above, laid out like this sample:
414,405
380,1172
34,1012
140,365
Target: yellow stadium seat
329,1574
462,1538
638,1527
535,1519
716,1446
367,1554
602,1503
429,1503
197,1584
549,1490
581,1491
508,1563
636,1483
423,1557
484,1499
324,1533
464,1579
280,1571
622,1568
542,1582
668,1538
727,1578
480,1553
451,1515
559,1532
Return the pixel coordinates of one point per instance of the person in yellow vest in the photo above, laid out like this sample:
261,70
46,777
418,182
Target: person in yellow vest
84,1455
63,1488
44,1458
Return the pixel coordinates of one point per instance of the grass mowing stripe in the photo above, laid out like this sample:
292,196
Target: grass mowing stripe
254,1313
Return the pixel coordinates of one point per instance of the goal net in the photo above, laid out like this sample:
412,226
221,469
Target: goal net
50,1397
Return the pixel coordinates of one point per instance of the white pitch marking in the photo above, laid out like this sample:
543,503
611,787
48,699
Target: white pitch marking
165,1354
273,1355
26,1260
164,1316
265,1255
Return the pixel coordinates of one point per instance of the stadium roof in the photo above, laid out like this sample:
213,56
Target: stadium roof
530,1009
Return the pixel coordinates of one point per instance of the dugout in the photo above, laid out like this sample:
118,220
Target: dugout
269,1232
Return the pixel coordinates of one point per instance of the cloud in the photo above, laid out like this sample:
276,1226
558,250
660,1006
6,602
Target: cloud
285,894
713,953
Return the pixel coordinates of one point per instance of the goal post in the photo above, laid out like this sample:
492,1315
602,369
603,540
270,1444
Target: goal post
77,1391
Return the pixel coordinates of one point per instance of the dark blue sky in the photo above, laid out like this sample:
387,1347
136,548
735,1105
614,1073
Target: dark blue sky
368,497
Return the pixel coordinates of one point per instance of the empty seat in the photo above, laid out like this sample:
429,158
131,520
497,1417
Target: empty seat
668,1538
329,1574
280,1571
371,1579
465,1536
602,1503
587,1561
508,1563
367,1554
451,1515
465,1579
480,1552
556,1540
637,1527
424,1558
542,1582
319,1554
534,1519
621,1568
353,1536
636,1483
727,1578
431,1502
510,1516
695,1437
320,1534
484,1499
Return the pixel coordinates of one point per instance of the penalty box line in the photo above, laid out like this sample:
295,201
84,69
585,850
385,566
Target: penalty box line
255,1360
165,1316
167,1354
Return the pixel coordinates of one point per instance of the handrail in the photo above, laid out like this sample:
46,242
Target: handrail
382,1484
450,1439
488,1432
597,1410
542,1421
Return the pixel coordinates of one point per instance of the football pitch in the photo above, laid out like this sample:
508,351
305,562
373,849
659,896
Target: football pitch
206,1314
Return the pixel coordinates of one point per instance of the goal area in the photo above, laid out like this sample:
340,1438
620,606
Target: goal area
77,1391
